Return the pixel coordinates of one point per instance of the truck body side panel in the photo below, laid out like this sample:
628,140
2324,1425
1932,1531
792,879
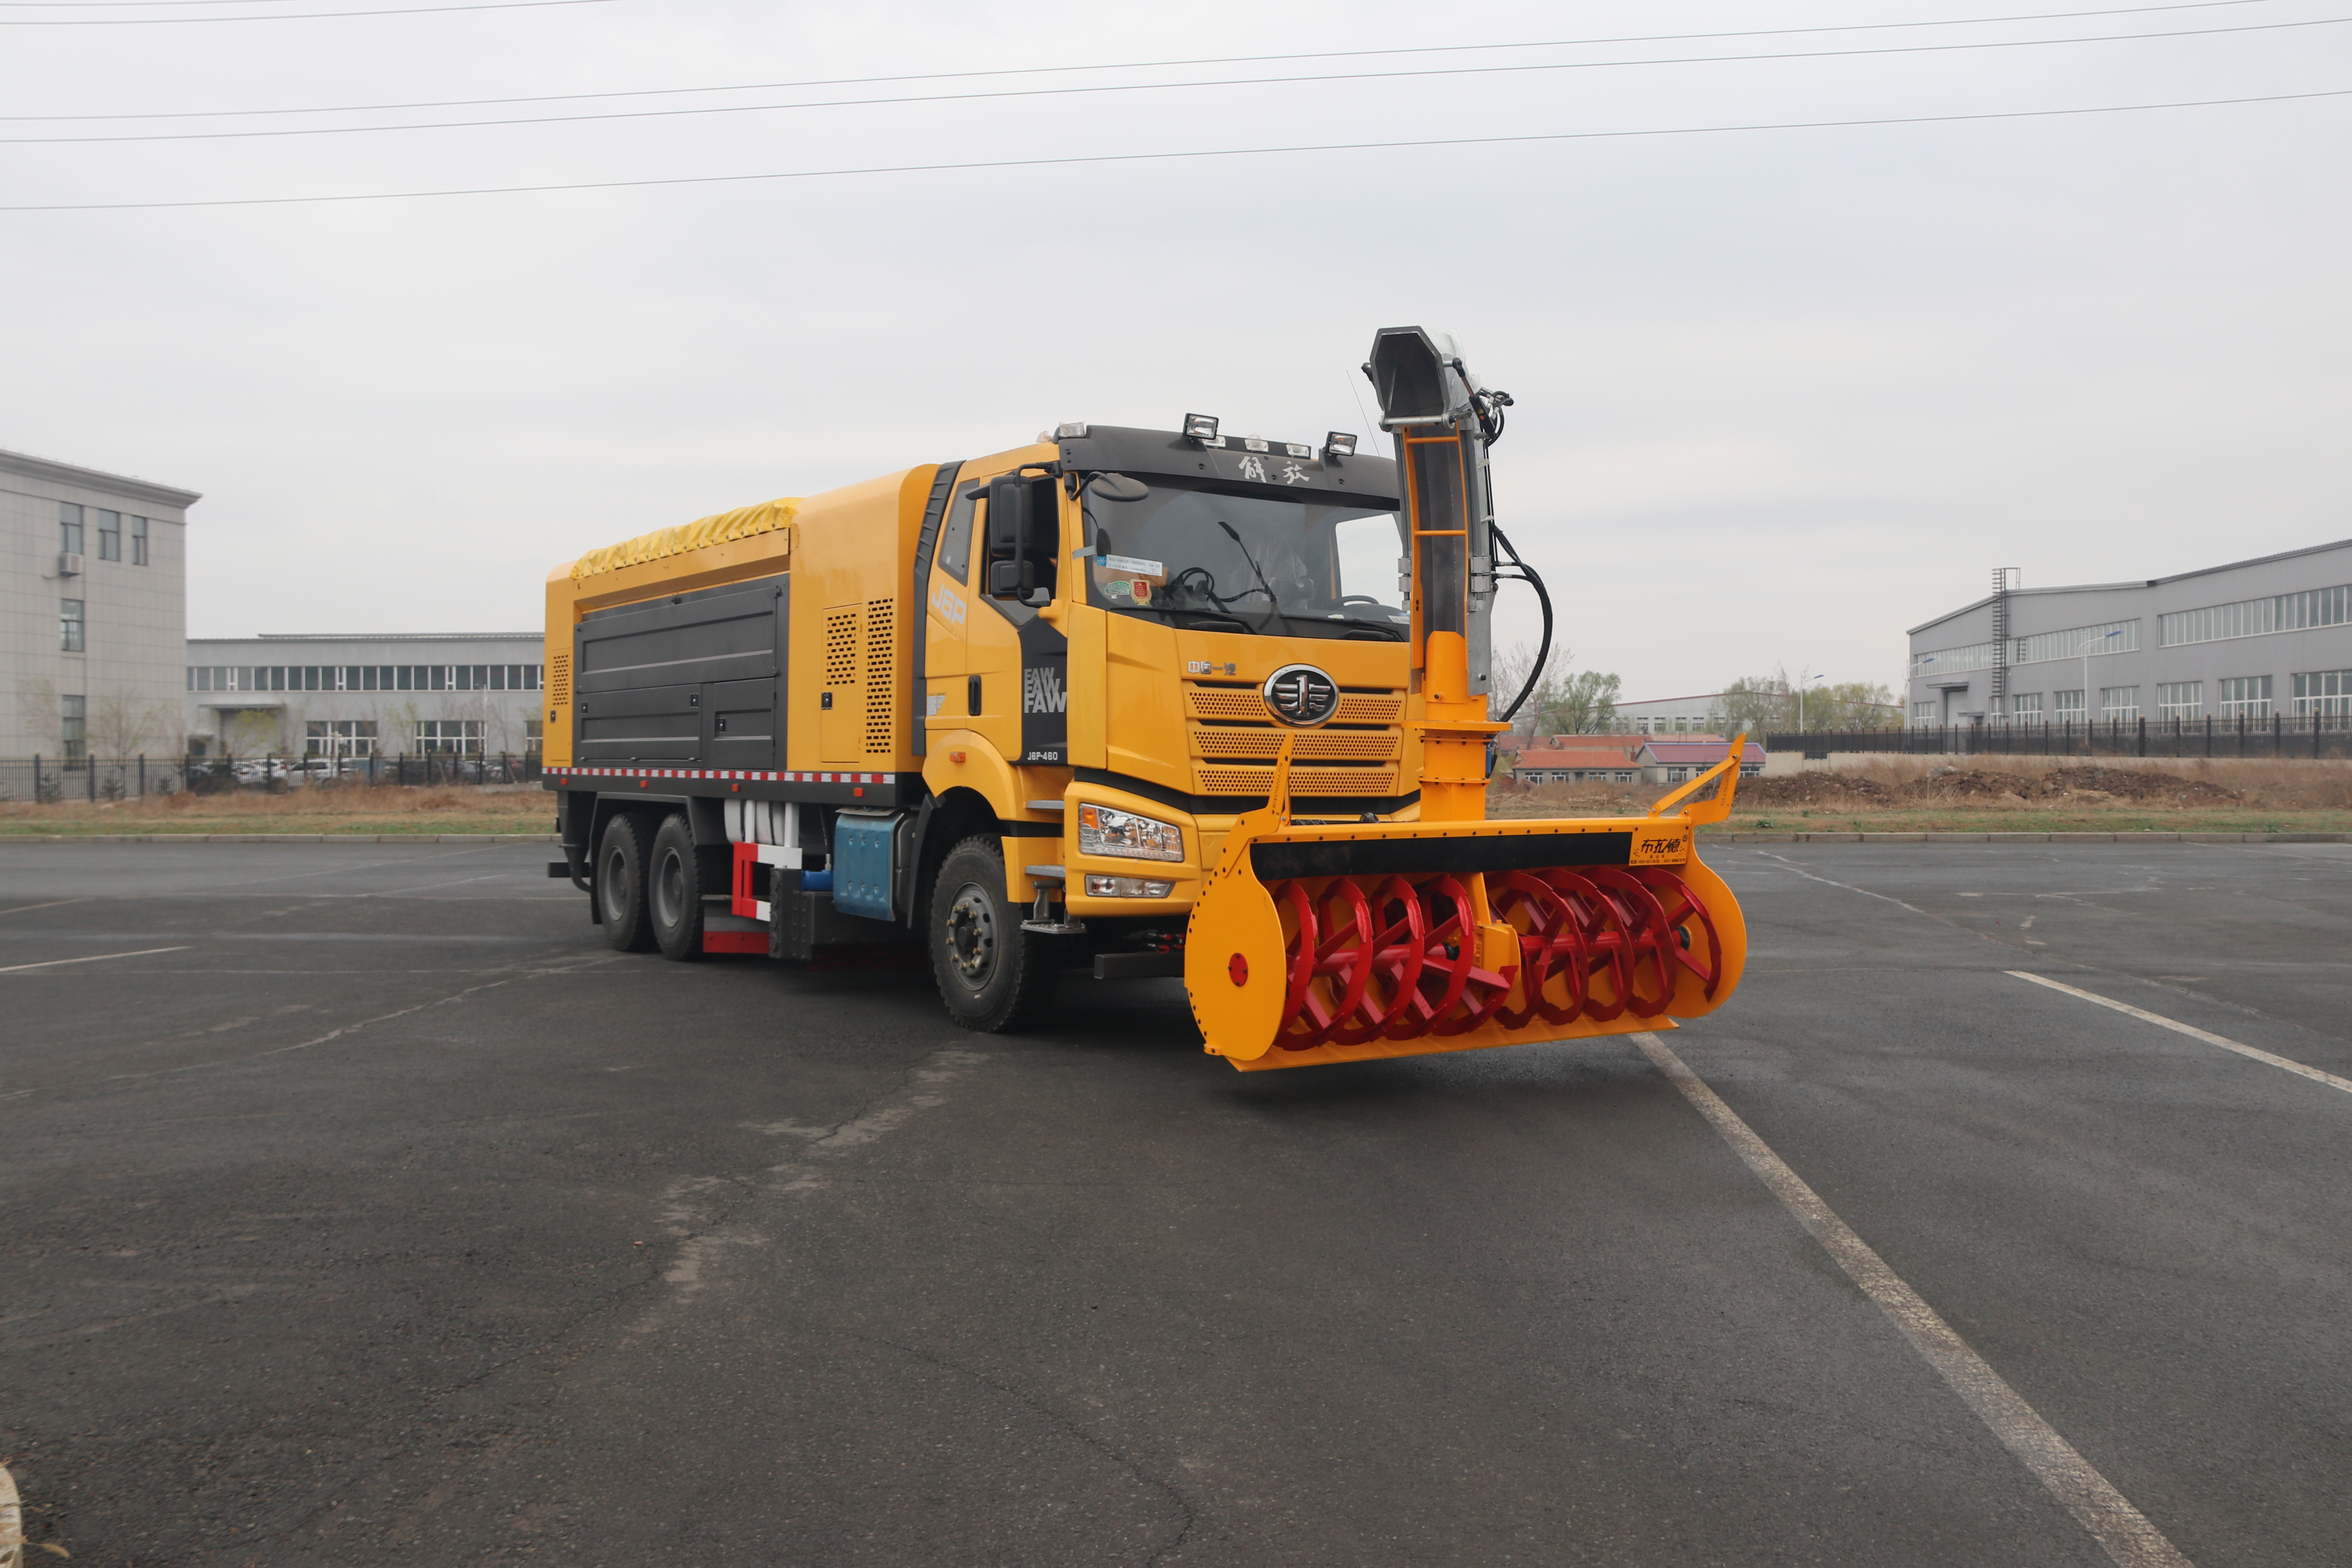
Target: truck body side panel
850,657
688,681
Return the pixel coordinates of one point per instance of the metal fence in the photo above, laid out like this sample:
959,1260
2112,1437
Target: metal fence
50,779
2328,735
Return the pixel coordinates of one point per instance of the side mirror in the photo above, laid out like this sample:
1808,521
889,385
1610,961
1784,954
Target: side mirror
1023,536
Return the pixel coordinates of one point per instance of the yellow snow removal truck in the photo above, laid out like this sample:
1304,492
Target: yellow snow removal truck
1148,703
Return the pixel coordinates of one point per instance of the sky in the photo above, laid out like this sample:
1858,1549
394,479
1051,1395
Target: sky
1781,393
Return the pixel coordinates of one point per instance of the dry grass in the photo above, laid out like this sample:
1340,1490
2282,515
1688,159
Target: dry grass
338,808
2004,795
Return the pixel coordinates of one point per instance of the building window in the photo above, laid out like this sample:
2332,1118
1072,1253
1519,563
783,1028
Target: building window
534,731
139,541
2257,617
68,528
1952,660
2026,706
449,735
340,738
2180,699
69,627
2324,693
2246,697
73,725
2117,703
109,536
2108,637
2067,704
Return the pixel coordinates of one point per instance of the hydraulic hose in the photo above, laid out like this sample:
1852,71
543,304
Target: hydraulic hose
1527,575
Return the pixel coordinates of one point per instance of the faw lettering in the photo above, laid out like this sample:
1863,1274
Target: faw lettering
1040,690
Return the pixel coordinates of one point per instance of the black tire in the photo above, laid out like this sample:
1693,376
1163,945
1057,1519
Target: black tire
674,891
621,884
993,976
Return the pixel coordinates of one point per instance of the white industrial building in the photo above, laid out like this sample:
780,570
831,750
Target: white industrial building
2258,639
357,695
2250,640
93,611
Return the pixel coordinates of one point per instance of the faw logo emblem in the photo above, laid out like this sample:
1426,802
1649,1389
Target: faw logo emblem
948,604
1301,695
1040,690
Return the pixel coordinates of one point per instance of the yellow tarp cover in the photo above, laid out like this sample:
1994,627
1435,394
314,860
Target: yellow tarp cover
741,523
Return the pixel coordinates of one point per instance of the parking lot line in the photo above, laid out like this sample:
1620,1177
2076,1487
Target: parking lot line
2191,1030
93,958
2124,1533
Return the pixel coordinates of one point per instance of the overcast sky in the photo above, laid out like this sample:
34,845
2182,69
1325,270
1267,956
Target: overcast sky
1781,393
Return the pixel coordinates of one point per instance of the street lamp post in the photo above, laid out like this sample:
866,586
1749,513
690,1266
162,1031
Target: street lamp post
2088,643
1804,682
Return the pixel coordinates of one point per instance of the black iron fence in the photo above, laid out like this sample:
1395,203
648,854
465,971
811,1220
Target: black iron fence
2328,735
49,779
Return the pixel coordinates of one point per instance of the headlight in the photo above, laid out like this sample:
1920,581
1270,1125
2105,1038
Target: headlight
1103,831
1127,887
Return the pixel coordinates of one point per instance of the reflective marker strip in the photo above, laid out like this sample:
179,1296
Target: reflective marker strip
2129,1540
2194,1032
718,774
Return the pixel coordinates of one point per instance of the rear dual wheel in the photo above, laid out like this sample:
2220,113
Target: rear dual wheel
650,895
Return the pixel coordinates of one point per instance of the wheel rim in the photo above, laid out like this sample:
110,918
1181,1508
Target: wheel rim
615,885
972,936
669,888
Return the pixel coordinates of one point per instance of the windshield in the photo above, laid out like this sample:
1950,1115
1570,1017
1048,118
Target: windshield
1284,565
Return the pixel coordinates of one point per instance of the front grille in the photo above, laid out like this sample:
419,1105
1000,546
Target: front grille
1258,741
1303,780
1244,702
1233,740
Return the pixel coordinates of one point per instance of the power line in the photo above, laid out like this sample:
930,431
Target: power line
1160,87
278,16
1167,157
1129,65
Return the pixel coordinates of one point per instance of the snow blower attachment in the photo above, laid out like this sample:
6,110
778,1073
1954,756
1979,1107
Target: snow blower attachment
1318,940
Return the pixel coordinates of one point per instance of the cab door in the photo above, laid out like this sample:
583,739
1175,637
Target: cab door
947,613
1017,674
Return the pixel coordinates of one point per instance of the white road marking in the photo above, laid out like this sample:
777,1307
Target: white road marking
53,903
2191,1030
2120,1528
93,958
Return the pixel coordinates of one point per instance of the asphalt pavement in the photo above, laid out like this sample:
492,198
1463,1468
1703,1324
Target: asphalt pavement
357,1205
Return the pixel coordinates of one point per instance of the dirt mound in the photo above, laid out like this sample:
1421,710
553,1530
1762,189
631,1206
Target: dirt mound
1946,785
1817,788
2152,785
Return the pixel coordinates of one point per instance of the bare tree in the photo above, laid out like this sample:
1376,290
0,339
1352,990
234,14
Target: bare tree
122,725
1510,670
44,720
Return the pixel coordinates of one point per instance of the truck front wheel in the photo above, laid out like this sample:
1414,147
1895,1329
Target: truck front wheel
621,884
992,974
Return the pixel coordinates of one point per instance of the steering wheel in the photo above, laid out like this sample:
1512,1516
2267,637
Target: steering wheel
1363,599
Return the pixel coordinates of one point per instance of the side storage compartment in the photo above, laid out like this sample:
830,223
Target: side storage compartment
688,681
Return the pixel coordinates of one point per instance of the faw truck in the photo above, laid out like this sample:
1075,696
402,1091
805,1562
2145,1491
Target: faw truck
1125,702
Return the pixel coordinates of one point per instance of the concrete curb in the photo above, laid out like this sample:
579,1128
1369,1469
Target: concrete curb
1707,838
278,839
